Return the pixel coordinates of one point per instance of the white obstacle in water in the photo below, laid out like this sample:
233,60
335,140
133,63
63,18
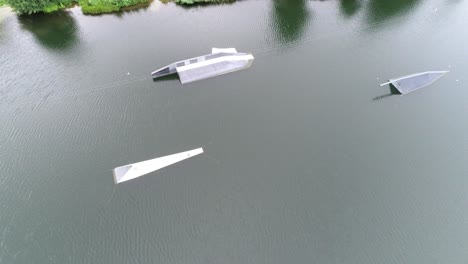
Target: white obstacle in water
220,61
135,170
412,82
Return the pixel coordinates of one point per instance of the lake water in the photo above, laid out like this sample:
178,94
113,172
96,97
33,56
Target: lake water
307,159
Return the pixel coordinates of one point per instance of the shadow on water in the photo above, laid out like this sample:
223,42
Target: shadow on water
203,4
289,19
392,91
349,8
57,31
170,77
381,10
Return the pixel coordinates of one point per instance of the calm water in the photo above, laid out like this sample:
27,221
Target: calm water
306,159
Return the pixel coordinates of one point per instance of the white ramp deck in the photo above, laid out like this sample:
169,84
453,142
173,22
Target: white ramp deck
410,83
135,170
220,61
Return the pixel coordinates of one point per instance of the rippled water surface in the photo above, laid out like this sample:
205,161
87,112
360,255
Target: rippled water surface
306,159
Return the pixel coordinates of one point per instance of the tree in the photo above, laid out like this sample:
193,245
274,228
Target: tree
35,6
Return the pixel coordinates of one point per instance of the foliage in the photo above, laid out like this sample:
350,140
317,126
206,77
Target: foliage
106,6
36,6
88,6
97,7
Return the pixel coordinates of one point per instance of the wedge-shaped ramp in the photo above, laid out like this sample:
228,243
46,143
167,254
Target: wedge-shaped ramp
410,83
135,170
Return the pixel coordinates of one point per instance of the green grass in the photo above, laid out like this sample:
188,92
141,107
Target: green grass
95,7
36,6
92,7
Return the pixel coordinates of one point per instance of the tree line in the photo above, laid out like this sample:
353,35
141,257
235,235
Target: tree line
88,6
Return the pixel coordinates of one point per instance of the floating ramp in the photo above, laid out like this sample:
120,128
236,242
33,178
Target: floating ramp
220,61
409,83
135,170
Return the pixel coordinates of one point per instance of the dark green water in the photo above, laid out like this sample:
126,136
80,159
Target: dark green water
306,159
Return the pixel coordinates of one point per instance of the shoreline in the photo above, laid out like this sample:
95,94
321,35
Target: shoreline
5,11
100,9
109,8
137,6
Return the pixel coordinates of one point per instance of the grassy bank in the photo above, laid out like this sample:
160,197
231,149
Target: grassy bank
36,6
92,7
97,7
87,6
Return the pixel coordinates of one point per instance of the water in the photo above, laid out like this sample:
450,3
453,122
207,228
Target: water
306,159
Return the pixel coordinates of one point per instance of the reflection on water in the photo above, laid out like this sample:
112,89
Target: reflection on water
198,5
56,31
349,7
382,10
290,18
